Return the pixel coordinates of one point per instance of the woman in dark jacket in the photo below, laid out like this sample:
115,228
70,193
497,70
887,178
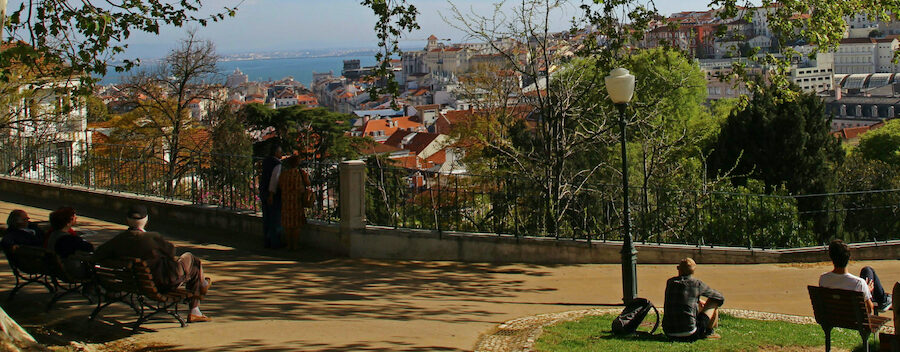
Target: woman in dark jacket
68,244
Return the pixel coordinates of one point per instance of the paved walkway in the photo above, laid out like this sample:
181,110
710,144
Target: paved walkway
278,300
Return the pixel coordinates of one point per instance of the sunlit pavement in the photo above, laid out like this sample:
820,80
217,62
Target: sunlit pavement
278,300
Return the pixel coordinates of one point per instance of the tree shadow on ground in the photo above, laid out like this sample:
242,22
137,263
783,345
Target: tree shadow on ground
250,285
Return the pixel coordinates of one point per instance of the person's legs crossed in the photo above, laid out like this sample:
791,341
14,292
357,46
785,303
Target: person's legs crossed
195,282
879,297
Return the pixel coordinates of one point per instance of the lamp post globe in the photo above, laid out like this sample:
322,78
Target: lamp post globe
620,86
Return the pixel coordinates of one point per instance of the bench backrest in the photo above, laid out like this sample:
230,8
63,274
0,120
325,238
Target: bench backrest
130,275
839,308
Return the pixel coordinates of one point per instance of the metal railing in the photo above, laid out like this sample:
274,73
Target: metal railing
407,198
224,180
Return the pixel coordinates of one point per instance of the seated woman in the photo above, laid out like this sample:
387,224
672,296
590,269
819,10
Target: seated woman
68,244
20,231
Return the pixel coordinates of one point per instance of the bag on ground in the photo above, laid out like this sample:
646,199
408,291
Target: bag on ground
631,317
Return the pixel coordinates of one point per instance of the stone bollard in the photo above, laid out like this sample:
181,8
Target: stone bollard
353,195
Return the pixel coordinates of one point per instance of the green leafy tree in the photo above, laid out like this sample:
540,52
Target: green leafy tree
86,35
96,109
882,144
870,201
394,18
316,134
783,142
166,92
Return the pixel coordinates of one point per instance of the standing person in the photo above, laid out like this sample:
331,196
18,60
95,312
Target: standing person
68,244
20,231
169,271
294,186
689,318
839,278
270,196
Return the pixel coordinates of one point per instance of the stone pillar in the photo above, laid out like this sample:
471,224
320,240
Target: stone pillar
353,195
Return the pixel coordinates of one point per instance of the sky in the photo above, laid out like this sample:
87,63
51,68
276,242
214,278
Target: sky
296,25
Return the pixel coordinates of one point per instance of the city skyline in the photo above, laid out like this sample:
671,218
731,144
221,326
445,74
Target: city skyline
263,26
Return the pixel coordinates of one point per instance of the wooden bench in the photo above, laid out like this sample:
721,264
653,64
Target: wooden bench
31,264
891,342
835,308
65,282
130,281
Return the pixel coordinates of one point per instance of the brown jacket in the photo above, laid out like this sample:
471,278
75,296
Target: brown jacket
148,246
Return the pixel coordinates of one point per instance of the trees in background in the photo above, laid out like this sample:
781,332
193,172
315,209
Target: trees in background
316,135
882,144
783,143
870,173
163,96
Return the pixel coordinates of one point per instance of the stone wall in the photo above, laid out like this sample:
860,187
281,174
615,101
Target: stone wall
165,215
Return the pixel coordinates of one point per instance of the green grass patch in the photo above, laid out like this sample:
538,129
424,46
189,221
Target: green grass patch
592,333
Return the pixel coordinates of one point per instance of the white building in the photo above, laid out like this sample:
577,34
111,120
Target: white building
813,75
236,79
865,55
52,132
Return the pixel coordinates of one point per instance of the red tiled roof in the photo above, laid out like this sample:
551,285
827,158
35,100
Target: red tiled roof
402,123
304,99
853,132
438,158
409,161
378,148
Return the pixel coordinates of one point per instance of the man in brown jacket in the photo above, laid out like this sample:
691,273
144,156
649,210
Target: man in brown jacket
168,270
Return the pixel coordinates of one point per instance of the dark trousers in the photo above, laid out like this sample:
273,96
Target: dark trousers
271,222
878,296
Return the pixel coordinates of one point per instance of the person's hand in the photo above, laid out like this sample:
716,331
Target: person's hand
871,284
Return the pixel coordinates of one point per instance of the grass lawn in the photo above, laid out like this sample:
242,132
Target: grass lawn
592,333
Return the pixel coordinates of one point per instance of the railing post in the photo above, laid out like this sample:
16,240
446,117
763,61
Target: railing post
353,195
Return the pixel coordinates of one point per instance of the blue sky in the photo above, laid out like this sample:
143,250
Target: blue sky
291,25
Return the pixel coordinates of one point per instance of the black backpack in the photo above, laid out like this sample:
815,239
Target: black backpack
632,316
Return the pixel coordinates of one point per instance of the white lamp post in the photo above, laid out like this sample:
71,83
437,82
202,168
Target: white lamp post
620,86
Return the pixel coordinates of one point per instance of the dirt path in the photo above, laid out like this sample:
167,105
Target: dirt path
277,300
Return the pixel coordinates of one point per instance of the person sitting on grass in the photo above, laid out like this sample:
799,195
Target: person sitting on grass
868,283
687,317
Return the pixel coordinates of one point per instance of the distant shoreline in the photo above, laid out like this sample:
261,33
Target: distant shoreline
352,54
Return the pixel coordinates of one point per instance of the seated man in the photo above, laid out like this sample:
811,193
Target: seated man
688,318
839,277
168,271
20,231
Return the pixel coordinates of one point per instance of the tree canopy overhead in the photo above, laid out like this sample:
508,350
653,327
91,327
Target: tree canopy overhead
85,35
